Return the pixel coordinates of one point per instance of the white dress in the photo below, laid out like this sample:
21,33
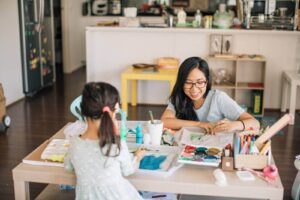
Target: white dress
98,176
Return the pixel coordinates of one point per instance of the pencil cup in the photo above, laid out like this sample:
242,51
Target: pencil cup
155,130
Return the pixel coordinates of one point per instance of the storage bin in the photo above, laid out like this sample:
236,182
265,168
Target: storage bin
253,161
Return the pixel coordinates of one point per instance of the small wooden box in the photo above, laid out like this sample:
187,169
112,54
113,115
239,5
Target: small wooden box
249,160
227,163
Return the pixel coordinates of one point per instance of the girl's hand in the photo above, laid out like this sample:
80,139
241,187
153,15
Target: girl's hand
225,125
209,127
140,153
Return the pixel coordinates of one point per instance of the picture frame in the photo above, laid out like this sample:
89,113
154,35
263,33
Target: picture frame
227,44
215,44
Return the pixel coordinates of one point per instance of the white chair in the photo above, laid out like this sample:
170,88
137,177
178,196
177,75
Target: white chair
75,108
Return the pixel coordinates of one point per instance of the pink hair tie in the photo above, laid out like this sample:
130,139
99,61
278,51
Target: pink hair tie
106,109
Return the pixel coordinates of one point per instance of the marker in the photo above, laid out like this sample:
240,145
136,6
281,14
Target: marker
237,145
249,143
241,142
251,147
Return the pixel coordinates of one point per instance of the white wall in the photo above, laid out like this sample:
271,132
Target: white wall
10,55
111,50
73,35
74,24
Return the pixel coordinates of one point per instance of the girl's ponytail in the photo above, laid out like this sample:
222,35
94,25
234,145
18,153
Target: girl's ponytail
98,102
107,130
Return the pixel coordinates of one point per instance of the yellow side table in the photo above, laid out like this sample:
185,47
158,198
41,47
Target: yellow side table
133,75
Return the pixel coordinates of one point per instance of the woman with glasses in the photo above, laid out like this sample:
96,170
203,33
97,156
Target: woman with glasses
194,103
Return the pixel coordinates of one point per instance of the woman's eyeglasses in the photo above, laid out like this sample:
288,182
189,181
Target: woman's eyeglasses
198,84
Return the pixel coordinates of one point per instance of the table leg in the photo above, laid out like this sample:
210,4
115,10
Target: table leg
124,94
21,189
284,94
133,92
293,101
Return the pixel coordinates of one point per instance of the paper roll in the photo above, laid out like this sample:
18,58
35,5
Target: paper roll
282,122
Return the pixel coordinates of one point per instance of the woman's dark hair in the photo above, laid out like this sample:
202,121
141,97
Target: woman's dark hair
183,104
95,97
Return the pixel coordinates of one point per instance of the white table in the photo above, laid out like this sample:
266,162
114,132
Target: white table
292,79
189,179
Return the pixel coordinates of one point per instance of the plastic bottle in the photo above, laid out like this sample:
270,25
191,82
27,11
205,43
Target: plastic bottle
123,130
139,134
198,18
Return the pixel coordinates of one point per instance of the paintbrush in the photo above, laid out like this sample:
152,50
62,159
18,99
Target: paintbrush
151,117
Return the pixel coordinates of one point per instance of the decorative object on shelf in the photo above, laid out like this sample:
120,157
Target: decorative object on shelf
130,12
99,7
222,76
181,16
198,18
207,21
215,44
226,44
222,18
220,44
114,7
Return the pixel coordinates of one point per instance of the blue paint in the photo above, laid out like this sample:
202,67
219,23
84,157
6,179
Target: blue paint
152,162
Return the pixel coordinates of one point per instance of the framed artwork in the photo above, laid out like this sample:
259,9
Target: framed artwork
227,44
215,44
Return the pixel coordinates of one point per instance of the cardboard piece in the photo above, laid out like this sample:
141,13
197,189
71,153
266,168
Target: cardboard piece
227,163
281,123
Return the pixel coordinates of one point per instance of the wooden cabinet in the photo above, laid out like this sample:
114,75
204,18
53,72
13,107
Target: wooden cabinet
242,77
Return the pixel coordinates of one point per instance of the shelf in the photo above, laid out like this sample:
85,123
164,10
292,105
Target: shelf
250,86
223,86
248,74
236,57
223,57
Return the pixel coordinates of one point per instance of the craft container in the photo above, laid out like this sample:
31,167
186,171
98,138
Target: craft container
250,160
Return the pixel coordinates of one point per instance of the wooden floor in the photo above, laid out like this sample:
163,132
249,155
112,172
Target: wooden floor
36,119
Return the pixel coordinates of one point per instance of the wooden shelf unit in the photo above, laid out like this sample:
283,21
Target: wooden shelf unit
247,73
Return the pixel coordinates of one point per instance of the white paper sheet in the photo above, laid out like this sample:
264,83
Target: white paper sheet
197,136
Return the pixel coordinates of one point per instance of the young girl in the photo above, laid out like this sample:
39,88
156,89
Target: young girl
98,156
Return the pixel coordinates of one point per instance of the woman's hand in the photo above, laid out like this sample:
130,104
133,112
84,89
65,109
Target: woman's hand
226,125
209,127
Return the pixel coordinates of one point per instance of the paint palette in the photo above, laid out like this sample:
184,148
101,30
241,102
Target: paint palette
201,155
158,160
